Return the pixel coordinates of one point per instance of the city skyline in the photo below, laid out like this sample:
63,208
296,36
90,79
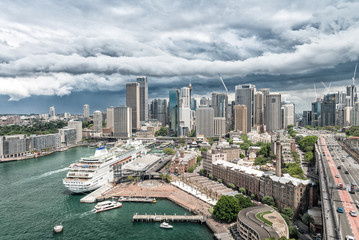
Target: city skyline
282,47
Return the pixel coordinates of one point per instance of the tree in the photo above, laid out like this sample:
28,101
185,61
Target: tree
307,141
203,150
169,151
242,155
244,201
220,180
193,133
191,169
242,190
244,146
162,176
199,159
265,150
129,178
309,157
260,161
307,219
161,132
293,232
268,200
226,208
202,172
231,185
210,176
286,218
288,211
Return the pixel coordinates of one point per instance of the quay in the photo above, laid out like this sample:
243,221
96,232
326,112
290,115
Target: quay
96,195
168,218
137,199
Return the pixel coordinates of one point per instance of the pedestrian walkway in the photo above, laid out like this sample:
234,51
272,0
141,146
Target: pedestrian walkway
193,191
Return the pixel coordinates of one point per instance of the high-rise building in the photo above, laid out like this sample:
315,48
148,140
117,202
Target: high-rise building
86,111
52,112
97,122
173,111
288,115
219,104
122,117
245,95
240,118
159,110
193,104
259,108
204,121
142,80
184,112
327,111
219,126
347,116
315,118
109,118
272,112
351,95
307,118
185,97
204,101
133,101
77,125
355,115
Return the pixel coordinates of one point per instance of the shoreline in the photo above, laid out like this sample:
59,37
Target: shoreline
5,160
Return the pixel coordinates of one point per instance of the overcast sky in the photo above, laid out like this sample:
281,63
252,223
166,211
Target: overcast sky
68,53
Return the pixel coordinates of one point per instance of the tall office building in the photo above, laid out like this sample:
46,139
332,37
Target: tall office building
219,126
355,115
109,118
122,117
245,95
86,111
315,118
351,95
259,108
219,104
272,113
173,111
133,101
204,101
77,125
240,118
307,118
142,80
97,122
347,116
205,121
184,112
288,115
328,109
193,104
52,112
159,110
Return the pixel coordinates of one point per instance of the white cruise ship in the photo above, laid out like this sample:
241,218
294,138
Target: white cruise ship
90,173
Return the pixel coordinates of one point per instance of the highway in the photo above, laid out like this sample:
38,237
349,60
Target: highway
333,154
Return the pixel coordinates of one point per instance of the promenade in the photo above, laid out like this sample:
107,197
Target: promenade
159,189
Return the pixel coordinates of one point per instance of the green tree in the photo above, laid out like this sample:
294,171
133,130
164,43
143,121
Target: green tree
242,190
210,176
307,141
191,168
231,185
244,146
202,172
226,208
260,161
307,219
129,178
288,211
308,157
244,201
220,180
193,133
199,159
265,150
169,151
203,150
293,232
268,200
161,132
286,218
242,155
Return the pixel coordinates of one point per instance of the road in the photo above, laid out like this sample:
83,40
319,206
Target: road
332,156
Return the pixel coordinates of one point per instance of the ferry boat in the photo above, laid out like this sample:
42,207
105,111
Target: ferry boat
90,173
166,225
106,205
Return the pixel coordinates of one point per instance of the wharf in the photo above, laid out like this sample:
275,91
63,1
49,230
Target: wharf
97,194
167,218
137,199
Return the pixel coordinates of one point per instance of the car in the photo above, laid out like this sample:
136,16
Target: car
346,172
353,213
340,210
347,237
339,167
337,176
340,185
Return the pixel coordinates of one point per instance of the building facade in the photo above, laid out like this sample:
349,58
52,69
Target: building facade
97,122
142,80
78,126
240,118
122,122
205,121
245,95
272,113
86,111
133,101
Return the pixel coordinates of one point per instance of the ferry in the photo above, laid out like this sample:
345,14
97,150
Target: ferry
90,173
166,225
106,205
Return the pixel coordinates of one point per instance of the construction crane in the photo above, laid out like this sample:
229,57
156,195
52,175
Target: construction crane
355,71
328,88
224,85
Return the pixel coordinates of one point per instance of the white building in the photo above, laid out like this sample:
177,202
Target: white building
68,135
288,115
47,141
219,126
122,122
78,126
52,112
86,111
97,122
205,121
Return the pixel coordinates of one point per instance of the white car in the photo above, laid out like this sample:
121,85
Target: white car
353,213
347,237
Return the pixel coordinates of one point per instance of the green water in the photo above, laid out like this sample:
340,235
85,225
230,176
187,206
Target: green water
33,200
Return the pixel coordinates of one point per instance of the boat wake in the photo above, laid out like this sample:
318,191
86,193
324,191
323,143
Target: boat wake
53,172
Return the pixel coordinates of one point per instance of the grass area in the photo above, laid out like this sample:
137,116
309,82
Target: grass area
260,217
211,210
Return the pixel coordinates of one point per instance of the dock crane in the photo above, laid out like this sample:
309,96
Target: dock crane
224,85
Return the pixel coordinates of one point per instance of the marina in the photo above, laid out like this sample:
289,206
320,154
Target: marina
137,199
168,218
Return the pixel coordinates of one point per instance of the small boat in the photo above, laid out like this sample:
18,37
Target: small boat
106,205
154,200
58,228
166,225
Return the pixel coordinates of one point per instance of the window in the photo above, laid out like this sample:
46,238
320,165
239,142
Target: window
273,100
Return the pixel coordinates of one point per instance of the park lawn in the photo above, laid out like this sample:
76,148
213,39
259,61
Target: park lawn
260,217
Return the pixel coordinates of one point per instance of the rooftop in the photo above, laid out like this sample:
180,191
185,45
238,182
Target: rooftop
142,164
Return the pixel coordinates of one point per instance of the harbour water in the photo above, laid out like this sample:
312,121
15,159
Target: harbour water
33,200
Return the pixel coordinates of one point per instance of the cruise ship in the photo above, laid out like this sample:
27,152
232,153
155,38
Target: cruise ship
90,173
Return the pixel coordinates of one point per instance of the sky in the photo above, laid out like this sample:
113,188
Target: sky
68,53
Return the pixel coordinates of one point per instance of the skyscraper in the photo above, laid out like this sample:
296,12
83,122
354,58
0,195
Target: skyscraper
240,118
204,121
159,110
327,111
316,107
273,112
259,108
184,112
122,117
245,95
109,118
133,101
97,122
52,112
173,110
142,80
288,115
219,126
220,104
204,101
86,111
352,95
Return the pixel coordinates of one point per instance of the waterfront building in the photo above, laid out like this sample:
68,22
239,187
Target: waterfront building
133,101
122,122
109,118
240,118
97,122
86,111
272,113
12,146
245,95
182,161
219,126
288,115
173,111
327,110
159,110
45,142
142,80
78,126
205,121
52,112
68,136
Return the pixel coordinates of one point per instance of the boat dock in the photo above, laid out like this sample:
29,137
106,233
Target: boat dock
137,199
96,195
168,218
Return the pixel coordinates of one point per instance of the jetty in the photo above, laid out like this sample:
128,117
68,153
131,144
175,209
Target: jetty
96,195
137,199
168,218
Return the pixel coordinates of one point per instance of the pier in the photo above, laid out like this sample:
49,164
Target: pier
168,218
137,199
